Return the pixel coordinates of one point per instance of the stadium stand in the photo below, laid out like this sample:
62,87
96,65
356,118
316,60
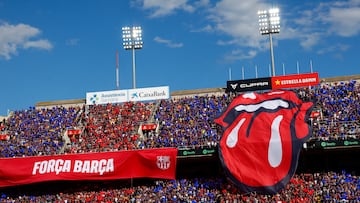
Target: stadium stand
304,187
184,121
112,127
36,132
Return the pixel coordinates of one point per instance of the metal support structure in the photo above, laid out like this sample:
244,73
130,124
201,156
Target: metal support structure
133,68
272,55
297,67
256,71
269,23
243,72
283,66
132,39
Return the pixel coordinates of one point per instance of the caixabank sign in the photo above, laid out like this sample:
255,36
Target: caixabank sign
152,93
119,96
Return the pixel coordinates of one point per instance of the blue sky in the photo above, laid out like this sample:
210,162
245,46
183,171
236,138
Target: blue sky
61,49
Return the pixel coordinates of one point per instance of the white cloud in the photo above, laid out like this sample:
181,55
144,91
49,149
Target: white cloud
239,21
168,43
309,40
312,26
15,37
344,21
333,48
72,42
309,26
236,55
202,3
39,44
207,28
160,8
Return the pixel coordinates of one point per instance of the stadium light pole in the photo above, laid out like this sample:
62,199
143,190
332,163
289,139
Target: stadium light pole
269,23
132,39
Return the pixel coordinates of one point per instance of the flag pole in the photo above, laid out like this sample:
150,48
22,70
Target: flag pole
117,70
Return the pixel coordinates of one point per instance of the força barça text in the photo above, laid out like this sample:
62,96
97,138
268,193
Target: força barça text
58,166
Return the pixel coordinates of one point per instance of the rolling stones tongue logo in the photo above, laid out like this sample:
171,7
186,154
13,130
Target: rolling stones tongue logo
263,135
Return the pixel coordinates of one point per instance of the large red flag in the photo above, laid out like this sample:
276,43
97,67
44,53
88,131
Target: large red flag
263,135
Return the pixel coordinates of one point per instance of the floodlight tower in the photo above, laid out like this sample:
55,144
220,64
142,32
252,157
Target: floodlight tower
269,23
132,39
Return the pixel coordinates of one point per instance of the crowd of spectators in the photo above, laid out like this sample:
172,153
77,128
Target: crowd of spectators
339,105
111,127
183,122
188,121
302,188
36,132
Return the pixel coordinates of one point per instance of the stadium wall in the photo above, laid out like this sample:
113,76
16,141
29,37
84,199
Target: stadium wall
64,103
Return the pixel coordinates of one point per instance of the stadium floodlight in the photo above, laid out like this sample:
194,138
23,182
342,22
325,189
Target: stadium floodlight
269,23
132,39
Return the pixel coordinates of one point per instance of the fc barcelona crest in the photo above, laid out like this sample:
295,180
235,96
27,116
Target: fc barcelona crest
163,162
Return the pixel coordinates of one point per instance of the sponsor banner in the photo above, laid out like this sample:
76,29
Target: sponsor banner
147,94
334,143
149,126
119,96
296,80
4,137
73,132
105,97
149,163
197,152
315,114
248,85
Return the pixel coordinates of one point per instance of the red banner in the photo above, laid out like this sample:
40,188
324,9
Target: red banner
315,114
4,137
297,80
149,163
148,126
73,132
